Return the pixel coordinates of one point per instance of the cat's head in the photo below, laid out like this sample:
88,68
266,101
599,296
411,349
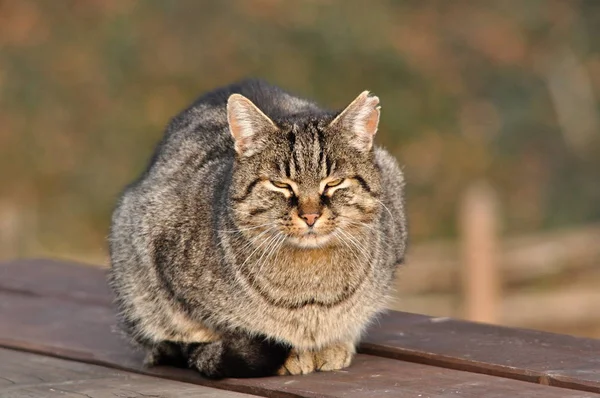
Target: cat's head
309,180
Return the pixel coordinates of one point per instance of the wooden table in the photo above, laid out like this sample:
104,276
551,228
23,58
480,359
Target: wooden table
58,338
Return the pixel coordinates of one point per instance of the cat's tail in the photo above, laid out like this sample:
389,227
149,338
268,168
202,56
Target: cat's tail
238,355
235,355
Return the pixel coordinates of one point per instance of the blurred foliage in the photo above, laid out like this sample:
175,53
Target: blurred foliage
499,90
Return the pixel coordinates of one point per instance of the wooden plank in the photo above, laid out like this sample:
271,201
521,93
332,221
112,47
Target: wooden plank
53,278
526,355
84,332
29,375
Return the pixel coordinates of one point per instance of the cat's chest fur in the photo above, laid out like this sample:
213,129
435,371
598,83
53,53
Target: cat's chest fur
310,297
296,277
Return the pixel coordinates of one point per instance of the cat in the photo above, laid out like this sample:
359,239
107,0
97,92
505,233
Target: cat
262,238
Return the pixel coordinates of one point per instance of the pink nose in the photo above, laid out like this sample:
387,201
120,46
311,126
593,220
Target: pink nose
310,218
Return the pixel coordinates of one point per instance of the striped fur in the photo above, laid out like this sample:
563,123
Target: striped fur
209,249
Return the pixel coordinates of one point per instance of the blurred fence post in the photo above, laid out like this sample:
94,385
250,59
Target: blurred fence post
478,222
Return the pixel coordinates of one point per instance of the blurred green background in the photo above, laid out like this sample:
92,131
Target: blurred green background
504,92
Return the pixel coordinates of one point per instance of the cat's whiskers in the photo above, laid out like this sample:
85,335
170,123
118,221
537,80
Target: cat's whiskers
250,242
373,251
254,216
367,257
352,250
362,224
277,249
384,206
271,241
357,244
244,229
356,250
270,250
257,247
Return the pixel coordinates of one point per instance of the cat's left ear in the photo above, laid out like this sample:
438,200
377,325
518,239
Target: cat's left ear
360,119
248,125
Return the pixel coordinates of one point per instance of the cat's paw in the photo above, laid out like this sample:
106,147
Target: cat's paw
298,363
335,357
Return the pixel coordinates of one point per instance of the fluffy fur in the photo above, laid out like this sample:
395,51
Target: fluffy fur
214,262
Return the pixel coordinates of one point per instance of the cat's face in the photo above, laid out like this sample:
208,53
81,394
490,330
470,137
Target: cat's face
308,182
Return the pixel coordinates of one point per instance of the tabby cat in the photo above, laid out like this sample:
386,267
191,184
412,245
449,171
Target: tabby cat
262,238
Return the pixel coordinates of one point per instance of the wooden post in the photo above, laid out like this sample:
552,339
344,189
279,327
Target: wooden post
478,221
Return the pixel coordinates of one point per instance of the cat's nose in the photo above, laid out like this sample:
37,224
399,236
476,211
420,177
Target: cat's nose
310,218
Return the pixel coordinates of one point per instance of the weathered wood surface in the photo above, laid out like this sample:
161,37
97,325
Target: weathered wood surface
64,310
528,355
569,305
52,278
30,375
84,332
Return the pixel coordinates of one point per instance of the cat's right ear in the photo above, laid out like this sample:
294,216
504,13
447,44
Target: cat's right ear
360,120
247,124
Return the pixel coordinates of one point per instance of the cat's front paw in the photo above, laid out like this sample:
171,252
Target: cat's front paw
335,357
298,363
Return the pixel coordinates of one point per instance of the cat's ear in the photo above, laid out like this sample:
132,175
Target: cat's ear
247,124
360,119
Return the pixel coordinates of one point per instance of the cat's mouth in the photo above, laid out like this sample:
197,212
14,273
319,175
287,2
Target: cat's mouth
310,240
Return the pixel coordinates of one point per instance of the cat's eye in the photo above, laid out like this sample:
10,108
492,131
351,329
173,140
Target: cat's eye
334,183
280,184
